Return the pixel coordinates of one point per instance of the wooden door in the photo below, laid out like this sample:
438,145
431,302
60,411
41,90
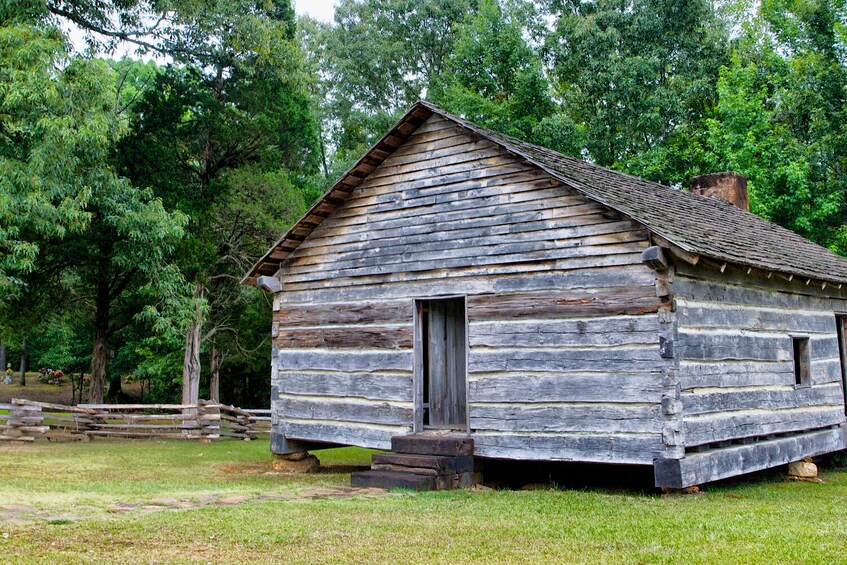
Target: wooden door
444,372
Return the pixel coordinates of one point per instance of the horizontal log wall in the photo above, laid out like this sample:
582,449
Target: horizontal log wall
563,332
566,386
736,367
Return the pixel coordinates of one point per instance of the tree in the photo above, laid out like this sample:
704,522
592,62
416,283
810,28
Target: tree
56,130
232,144
637,77
379,57
495,78
59,128
780,117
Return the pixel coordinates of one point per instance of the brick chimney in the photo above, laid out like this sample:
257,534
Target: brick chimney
729,186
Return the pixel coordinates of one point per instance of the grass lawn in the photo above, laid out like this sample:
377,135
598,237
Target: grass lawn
96,502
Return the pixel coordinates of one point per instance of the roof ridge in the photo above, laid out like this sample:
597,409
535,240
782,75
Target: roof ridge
526,148
696,224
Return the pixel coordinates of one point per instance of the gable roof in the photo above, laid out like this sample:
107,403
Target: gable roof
691,224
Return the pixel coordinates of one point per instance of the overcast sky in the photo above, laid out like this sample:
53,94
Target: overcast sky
318,9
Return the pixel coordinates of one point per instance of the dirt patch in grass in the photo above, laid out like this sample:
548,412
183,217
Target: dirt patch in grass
266,468
56,394
248,468
25,514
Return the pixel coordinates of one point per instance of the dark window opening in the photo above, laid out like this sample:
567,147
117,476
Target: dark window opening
802,361
842,351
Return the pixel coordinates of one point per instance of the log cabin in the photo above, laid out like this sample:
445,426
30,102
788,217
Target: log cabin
533,306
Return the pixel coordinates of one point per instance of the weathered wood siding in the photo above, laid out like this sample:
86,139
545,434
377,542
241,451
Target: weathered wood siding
564,361
736,368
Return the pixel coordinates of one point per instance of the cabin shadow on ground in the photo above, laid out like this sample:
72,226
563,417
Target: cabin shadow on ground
528,475
336,468
635,479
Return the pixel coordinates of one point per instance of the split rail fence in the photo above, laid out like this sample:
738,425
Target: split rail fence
27,420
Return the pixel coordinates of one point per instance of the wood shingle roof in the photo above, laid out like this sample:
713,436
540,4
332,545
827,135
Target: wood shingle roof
693,224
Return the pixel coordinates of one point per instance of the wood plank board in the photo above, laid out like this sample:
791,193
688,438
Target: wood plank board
335,337
344,410
458,248
565,332
700,468
543,260
611,359
373,386
354,361
770,398
377,312
711,428
434,284
566,416
572,303
524,387
638,449
342,433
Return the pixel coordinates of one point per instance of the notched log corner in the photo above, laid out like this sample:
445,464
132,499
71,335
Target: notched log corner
655,258
269,284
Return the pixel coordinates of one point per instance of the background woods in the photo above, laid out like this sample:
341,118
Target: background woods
136,191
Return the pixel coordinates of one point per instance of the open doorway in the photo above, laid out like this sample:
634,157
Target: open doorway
842,350
441,351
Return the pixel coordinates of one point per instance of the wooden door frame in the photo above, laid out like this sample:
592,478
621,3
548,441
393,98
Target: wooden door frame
841,336
418,376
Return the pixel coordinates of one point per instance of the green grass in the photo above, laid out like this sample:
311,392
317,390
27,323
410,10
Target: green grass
765,520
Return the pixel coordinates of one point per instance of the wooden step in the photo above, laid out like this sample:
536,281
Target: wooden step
393,479
450,482
413,481
426,444
422,464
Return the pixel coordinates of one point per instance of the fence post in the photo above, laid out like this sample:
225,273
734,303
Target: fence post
25,420
209,417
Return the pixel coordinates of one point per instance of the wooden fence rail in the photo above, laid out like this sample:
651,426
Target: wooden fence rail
261,419
26,420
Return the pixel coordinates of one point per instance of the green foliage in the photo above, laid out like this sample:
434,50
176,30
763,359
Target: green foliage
495,78
57,127
384,54
57,345
233,145
378,58
780,117
632,75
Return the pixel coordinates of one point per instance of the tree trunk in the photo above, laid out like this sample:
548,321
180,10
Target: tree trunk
115,387
2,357
23,362
191,365
215,375
76,388
191,361
100,351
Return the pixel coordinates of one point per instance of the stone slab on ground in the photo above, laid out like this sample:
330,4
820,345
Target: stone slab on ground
308,464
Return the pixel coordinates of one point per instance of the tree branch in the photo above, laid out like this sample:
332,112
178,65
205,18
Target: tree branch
94,28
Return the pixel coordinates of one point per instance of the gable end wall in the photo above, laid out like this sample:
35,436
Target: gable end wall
563,322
